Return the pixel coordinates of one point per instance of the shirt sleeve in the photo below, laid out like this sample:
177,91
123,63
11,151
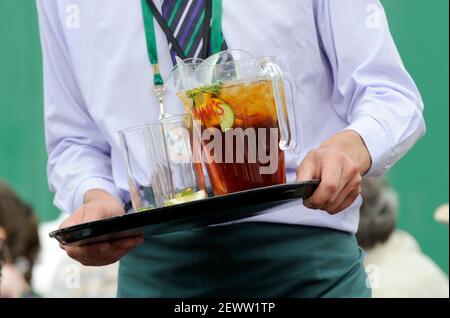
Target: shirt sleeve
78,154
373,92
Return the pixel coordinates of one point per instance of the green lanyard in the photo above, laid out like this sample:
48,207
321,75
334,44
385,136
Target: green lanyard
216,36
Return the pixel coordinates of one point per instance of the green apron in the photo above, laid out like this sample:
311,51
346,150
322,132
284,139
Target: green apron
245,260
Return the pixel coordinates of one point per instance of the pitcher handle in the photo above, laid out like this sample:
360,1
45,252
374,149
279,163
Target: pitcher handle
296,128
287,142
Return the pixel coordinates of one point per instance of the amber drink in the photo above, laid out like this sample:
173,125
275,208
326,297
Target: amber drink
240,118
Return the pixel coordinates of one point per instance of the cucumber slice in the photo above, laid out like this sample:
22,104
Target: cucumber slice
199,195
227,118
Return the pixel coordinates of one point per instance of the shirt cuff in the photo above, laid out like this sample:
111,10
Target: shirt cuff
377,141
94,183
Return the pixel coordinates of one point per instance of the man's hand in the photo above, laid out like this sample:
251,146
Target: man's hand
339,162
98,205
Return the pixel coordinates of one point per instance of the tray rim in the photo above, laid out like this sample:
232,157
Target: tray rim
54,234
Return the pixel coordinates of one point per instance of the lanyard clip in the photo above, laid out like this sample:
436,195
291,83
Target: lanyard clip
160,91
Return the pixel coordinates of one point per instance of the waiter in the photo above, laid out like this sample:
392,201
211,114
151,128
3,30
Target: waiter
361,112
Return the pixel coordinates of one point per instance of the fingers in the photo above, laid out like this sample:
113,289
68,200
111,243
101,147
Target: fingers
92,211
330,186
106,259
77,252
340,180
102,253
307,169
346,203
347,196
350,183
74,219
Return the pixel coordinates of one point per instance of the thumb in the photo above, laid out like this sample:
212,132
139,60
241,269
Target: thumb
69,221
307,169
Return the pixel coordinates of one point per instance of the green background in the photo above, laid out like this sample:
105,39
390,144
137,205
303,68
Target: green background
420,29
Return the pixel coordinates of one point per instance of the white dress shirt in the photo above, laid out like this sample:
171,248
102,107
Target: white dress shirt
98,80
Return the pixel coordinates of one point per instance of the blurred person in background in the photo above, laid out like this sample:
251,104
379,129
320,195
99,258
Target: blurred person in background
441,214
30,258
395,264
19,244
58,275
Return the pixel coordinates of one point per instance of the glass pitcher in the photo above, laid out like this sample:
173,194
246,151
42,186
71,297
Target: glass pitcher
238,103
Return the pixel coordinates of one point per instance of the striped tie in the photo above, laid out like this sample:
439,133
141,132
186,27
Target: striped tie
185,19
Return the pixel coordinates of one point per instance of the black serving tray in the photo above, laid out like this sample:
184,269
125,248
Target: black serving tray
184,216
